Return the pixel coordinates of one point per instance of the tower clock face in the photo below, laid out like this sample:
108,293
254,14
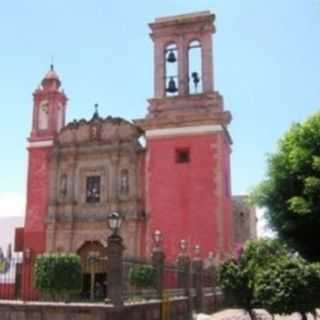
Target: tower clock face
44,108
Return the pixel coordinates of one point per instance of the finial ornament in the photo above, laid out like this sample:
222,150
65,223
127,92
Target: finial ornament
96,111
52,63
183,246
157,240
196,250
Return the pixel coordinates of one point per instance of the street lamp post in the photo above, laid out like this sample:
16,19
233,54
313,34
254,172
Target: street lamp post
114,255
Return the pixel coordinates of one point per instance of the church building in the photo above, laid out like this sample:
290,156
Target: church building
178,181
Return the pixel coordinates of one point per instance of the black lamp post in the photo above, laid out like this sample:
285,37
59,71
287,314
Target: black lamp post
114,255
114,220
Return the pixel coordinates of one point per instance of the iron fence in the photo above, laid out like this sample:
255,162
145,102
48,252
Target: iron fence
17,281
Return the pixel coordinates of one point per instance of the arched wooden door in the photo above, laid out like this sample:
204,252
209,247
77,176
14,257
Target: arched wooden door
94,269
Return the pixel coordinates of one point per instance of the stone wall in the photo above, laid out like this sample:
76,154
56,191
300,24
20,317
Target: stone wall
178,310
245,220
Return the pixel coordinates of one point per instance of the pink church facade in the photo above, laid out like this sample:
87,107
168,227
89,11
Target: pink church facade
179,182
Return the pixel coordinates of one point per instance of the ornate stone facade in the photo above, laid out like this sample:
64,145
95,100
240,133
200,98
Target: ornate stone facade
109,151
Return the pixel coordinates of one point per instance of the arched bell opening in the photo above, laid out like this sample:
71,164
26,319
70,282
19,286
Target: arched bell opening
94,270
171,70
195,67
43,117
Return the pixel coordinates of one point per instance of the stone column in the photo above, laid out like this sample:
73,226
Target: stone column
207,62
183,67
159,68
114,254
158,259
183,263
197,268
114,172
184,266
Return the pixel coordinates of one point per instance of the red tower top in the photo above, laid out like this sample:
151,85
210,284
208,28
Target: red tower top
49,109
187,165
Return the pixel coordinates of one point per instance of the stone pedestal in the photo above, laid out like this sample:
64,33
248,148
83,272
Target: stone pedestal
197,268
158,258
115,253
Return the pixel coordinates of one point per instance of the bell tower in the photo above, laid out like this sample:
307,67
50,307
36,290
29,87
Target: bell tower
187,168
49,107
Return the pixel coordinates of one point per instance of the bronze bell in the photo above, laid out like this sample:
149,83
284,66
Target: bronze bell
195,77
172,88
171,57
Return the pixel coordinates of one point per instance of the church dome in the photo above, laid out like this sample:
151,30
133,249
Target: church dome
52,75
51,79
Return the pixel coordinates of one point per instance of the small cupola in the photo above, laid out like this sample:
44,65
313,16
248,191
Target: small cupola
51,80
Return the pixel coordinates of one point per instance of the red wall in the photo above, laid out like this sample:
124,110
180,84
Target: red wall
228,243
187,200
7,291
37,199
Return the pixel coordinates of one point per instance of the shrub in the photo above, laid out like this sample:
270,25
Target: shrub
58,274
142,276
235,284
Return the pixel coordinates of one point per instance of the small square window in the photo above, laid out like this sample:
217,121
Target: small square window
182,155
93,189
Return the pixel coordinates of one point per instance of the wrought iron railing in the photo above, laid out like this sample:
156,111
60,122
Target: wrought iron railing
17,281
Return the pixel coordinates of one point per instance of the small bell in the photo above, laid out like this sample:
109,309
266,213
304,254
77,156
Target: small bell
171,57
196,80
172,88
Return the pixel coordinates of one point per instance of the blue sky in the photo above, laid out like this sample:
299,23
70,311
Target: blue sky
267,68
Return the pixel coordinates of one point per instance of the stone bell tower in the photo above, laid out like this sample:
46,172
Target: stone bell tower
187,166
49,107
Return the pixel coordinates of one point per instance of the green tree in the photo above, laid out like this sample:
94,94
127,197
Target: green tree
288,285
290,193
58,275
237,278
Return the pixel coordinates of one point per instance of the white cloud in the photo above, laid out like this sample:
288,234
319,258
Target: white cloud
12,204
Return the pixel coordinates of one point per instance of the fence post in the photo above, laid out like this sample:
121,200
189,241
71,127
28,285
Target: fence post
114,254
158,259
197,268
183,262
